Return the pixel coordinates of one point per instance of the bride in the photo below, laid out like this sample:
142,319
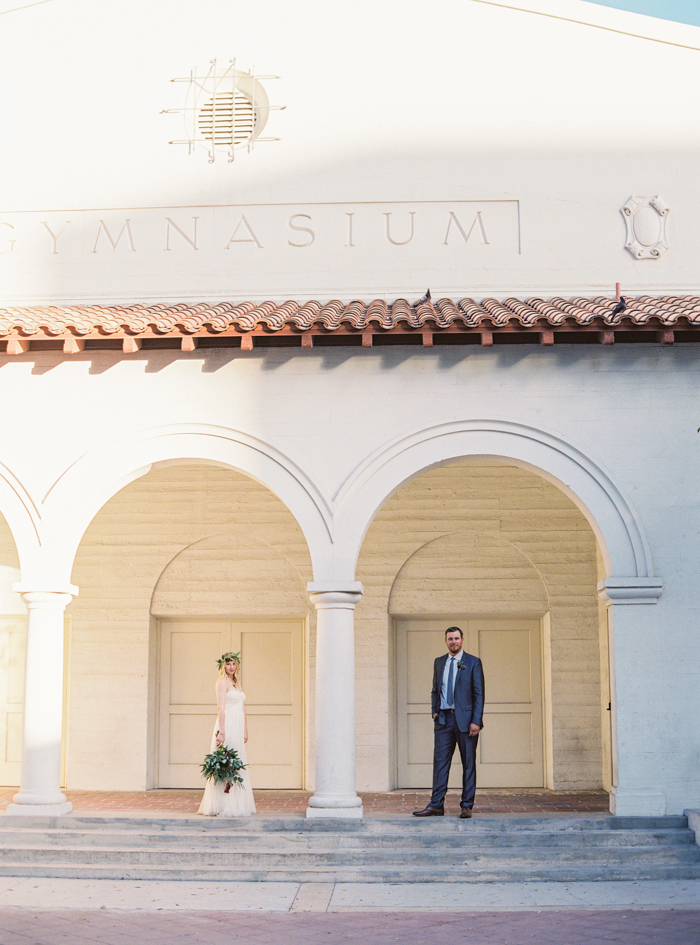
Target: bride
231,730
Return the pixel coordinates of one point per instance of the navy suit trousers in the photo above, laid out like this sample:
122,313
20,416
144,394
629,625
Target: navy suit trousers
448,736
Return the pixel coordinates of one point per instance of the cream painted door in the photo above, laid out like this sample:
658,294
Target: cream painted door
13,642
510,752
13,645
272,677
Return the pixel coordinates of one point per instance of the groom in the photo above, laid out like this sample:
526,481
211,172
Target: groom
458,708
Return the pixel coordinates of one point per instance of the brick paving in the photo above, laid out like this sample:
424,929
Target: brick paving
178,802
594,927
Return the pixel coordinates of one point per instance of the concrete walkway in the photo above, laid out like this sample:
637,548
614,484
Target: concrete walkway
102,912
622,927
35,895
492,928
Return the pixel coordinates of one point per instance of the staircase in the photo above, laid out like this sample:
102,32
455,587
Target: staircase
386,850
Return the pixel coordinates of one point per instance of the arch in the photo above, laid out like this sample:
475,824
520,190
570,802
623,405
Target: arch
615,524
224,544
517,551
22,516
77,496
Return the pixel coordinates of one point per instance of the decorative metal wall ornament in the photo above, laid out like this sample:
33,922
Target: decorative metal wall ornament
645,220
224,110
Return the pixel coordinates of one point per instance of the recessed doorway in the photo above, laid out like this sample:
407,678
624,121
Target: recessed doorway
510,752
272,671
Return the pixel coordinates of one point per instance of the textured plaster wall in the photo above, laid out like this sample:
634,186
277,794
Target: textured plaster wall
8,549
210,542
484,540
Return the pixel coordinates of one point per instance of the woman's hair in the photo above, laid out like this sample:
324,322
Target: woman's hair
235,678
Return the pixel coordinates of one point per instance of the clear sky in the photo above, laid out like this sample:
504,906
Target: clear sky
684,11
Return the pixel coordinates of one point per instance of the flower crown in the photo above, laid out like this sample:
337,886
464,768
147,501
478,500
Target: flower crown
227,657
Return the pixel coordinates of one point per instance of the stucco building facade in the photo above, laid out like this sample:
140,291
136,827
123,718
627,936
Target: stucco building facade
191,462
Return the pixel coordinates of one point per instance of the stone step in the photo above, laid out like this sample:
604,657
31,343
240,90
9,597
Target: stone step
595,844
88,871
290,840
292,849
340,856
298,823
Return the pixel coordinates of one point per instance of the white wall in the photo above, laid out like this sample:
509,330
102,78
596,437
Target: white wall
546,125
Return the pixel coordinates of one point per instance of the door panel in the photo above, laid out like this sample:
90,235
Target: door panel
272,678
511,746
13,642
510,752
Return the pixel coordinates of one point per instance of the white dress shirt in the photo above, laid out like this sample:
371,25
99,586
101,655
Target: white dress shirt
444,704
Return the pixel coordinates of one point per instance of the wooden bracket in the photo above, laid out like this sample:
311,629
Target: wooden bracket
73,345
606,337
366,339
666,337
131,345
246,342
547,337
18,345
487,339
188,343
427,339
307,339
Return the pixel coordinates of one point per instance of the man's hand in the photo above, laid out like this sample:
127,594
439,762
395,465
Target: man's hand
474,729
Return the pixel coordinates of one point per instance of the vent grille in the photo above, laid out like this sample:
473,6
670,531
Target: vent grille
227,119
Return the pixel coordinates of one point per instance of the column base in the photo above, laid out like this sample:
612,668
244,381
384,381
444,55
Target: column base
694,823
335,813
39,810
626,802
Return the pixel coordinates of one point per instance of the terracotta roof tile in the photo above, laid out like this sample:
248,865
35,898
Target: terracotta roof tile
441,314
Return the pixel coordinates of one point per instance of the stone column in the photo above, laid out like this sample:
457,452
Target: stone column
40,791
335,794
636,696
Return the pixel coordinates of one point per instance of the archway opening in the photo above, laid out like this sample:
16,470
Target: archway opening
506,555
183,564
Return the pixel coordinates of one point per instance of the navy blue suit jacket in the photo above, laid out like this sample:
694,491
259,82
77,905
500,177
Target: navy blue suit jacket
469,690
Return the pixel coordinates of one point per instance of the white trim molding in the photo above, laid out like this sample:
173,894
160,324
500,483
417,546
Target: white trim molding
82,490
614,521
630,590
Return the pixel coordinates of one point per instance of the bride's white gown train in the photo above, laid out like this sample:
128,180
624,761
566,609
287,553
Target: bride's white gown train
239,800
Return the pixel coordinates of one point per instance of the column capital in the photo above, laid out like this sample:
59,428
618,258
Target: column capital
46,600
50,593
631,590
327,594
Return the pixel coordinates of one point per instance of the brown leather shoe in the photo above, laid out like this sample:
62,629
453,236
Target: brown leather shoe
430,812
465,813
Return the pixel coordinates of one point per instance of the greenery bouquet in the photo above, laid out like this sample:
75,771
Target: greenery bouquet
223,765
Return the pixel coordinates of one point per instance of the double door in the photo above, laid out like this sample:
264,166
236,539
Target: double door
510,752
272,677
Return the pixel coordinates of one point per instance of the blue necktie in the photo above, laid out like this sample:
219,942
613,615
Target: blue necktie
451,683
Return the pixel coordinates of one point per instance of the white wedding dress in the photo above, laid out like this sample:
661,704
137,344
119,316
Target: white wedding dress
239,801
